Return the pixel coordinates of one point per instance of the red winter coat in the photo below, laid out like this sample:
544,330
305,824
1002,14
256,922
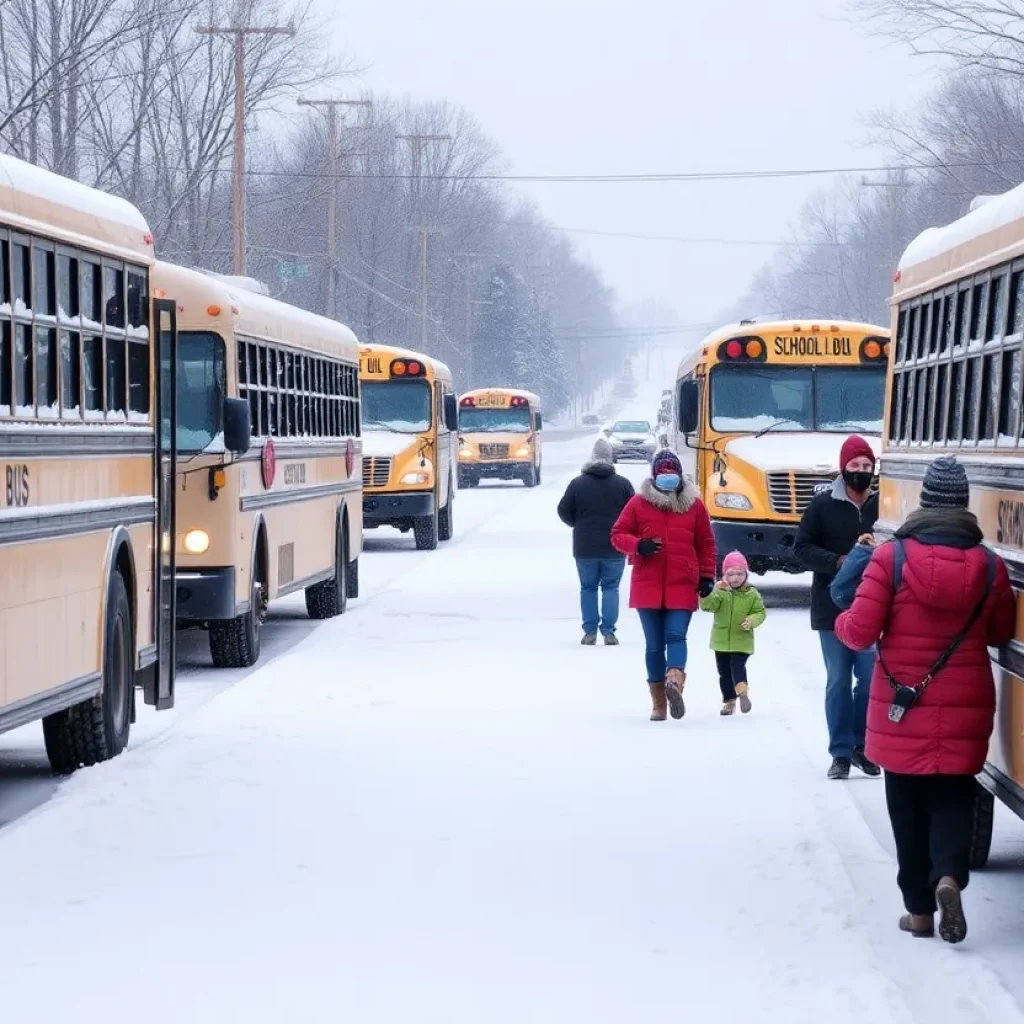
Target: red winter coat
669,578
947,731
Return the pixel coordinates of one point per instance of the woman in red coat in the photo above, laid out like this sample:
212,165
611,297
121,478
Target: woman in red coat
666,533
933,751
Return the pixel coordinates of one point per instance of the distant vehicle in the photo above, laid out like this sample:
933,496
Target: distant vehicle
499,436
631,439
590,420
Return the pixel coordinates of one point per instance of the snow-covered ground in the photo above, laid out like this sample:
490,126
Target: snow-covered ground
440,808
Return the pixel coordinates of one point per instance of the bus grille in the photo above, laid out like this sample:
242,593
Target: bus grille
376,472
791,493
494,451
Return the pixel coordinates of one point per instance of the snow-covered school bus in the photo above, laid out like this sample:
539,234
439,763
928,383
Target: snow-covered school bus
87,462
409,443
759,413
500,436
955,387
269,494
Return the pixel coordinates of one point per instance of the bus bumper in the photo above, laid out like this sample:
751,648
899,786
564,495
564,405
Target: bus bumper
205,595
508,470
396,509
767,547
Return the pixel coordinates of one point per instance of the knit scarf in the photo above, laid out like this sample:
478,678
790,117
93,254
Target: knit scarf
957,527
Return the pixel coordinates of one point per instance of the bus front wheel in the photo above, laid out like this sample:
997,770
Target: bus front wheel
329,598
531,476
446,521
97,729
981,826
235,643
425,530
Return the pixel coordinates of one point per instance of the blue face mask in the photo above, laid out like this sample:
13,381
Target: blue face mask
667,481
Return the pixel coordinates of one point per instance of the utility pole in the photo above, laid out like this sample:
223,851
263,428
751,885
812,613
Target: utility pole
240,33
891,185
417,141
331,106
470,259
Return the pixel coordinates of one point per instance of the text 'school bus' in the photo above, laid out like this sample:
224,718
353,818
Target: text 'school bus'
955,387
86,467
499,436
760,412
410,440
266,515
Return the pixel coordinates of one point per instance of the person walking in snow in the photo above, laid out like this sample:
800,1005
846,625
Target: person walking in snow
828,531
591,504
934,601
666,533
738,611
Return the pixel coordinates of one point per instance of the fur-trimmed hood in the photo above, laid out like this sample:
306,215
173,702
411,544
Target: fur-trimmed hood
680,501
598,467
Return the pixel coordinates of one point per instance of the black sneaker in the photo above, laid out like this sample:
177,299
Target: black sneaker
589,641
840,768
611,640
866,766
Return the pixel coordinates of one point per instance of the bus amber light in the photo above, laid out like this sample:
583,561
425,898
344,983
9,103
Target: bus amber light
398,369
197,542
872,350
213,310
753,349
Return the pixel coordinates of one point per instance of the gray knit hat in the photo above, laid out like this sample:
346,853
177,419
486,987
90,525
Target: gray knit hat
602,450
945,485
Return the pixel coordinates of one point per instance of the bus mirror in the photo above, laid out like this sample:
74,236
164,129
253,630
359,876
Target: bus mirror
539,422
689,406
237,426
451,412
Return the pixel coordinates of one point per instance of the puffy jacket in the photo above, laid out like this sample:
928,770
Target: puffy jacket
828,531
947,731
731,607
670,577
591,504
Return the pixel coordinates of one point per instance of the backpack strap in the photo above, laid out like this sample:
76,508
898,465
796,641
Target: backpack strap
898,558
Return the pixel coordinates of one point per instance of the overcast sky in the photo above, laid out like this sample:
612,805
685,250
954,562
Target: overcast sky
640,86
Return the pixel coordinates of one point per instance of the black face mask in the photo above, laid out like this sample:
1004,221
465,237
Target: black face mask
858,482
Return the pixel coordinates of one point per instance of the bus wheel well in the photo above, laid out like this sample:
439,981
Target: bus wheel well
262,555
124,565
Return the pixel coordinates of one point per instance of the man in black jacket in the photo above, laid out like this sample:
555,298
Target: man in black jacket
828,531
591,504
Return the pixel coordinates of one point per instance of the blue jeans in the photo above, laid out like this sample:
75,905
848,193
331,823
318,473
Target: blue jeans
665,633
604,574
848,681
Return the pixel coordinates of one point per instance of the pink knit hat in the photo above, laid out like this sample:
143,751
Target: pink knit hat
734,560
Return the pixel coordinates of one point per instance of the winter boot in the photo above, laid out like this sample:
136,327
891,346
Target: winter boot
952,923
728,708
659,707
866,766
675,680
611,640
840,768
743,692
921,926
589,640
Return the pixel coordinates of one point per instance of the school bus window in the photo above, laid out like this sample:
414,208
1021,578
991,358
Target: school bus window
1009,394
116,372
938,411
113,296
138,301
46,372
5,268
771,396
23,370
22,275
71,376
92,373
89,280
44,280
67,285
399,405
6,375
901,329
989,369
201,388
979,294
970,400
924,321
996,326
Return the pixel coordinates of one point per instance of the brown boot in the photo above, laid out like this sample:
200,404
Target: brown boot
675,680
728,708
659,707
743,692
921,926
952,923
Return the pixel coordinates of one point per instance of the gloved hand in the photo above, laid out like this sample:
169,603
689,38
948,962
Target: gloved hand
648,546
706,586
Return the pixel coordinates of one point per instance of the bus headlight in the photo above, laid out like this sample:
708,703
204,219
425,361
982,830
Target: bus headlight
737,502
196,542
466,453
523,451
419,477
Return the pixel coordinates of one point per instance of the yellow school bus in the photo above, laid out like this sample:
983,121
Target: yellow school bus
759,413
955,388
269,496
499,436
409,443
86,467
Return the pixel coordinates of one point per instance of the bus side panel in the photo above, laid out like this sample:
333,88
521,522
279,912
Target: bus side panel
1006,749
143,539
300,541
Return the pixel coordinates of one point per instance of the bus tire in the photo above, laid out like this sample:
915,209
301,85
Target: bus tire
97,729
352,578
235,643
329,598
530,477
446,521
981,827
425,530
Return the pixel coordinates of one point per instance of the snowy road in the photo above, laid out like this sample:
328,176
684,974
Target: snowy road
441,809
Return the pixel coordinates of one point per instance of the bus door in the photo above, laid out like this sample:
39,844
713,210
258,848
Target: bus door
160,691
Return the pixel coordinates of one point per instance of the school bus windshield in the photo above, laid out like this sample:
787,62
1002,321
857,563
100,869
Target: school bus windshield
821,398
494,421
399,405
201,388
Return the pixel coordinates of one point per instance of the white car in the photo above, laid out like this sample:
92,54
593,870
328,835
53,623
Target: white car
631,439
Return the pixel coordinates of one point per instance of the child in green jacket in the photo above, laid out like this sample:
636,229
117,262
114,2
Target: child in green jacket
738,610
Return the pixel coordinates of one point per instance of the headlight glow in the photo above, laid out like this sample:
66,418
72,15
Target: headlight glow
196,542
419,477
523,450
738,502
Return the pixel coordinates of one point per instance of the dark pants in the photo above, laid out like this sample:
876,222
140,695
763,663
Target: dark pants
732,669
665,640
932,819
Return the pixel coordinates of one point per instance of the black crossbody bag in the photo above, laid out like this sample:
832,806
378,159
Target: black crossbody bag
905,697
